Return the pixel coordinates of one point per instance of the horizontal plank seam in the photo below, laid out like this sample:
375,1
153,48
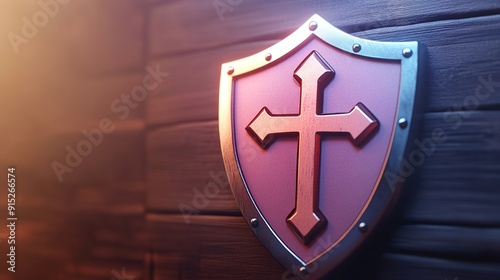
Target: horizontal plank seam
233,213
404,223
450,256
480,108
223,214
154,127
471,225
137,69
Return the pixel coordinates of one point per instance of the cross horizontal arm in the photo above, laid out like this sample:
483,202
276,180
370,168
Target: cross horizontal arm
359,123
265,124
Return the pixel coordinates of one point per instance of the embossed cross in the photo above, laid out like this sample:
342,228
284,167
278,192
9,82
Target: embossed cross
313,74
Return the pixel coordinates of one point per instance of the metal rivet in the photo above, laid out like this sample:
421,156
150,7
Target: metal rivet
356,47
313,25
403,123
303,270
254,222
230,70
407,52
362,226
268,56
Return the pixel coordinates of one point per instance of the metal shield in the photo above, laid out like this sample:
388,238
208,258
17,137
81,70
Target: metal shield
313,133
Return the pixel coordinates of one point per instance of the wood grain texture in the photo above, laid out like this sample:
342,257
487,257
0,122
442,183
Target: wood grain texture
90,223
458,182
191,92
396,266
87,230
101,37
116,240
47,115
183,166
218,247
459,243
251,21
462,62
210,247
61,82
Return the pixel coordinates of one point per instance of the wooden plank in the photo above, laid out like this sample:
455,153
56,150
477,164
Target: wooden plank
210,247
253,20
184,167
191,92
95,98
117,157
113,242
54,114
458,177
219,247
452,242
101,37
397,266
458,183
57,220
88,37
466,71
66,231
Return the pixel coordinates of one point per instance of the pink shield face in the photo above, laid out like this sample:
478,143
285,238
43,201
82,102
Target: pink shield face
348,174
308,131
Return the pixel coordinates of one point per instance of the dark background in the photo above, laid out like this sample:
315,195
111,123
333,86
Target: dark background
116,215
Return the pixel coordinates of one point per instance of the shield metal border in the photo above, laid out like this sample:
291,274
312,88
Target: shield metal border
386,193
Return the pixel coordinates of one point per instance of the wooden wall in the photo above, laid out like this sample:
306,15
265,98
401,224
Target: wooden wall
91,224
117,214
